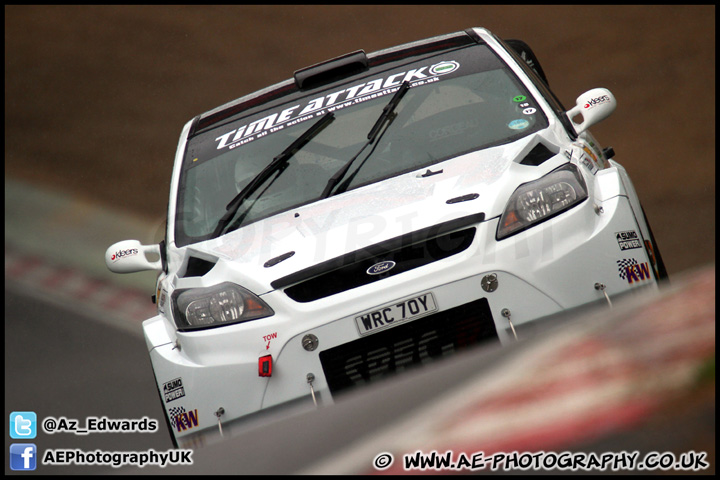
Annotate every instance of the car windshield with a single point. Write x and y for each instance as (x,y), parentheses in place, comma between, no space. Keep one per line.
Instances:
(458,102)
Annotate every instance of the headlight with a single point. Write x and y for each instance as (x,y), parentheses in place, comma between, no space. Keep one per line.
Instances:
(539,200)
(216,306)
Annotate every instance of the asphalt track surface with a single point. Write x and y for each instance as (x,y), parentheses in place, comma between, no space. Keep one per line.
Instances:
(60,363)
(92,117)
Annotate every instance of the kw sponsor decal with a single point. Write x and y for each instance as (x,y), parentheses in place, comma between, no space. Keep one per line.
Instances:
(629,269)
(173,390)
(182,420)
(354,94)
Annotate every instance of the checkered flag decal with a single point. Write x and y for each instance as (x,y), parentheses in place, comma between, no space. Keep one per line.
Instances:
(174,412)
(623,266)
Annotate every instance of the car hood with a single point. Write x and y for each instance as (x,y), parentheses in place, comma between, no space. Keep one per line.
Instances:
(478,182)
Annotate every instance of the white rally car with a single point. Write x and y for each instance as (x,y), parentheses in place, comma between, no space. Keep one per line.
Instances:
(374,213)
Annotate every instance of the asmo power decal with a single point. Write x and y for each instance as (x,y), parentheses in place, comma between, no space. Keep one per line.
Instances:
(341,98)
(173,390)
(628,240)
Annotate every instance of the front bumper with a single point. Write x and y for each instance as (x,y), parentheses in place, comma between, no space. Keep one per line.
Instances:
(500,286)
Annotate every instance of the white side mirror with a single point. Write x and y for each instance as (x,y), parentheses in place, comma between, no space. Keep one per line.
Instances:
(129,256)
(594,105)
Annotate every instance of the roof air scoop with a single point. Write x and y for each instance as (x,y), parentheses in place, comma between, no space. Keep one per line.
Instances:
(331,70)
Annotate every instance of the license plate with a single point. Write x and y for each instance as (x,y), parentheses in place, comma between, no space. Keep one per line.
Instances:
(396,313)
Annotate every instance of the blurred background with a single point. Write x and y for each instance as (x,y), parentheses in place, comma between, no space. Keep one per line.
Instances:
(96,96)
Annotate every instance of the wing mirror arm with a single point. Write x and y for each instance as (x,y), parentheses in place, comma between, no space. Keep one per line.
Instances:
(594,105)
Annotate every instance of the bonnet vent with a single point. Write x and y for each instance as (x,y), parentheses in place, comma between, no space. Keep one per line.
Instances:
(197,267)
(537,155)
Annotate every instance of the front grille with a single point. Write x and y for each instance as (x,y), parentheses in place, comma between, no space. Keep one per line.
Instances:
(423,340)
(407,252)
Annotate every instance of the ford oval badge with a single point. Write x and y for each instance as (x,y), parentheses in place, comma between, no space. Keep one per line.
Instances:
(381,267)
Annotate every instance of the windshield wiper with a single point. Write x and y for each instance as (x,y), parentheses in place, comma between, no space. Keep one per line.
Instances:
(278,164)
(387,116)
